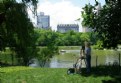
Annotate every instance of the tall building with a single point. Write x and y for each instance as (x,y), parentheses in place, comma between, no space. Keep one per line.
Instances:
(43,21)
(67,27)
(98,8)
(86,29)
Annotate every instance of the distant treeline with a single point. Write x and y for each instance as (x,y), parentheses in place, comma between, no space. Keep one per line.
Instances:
(70,38)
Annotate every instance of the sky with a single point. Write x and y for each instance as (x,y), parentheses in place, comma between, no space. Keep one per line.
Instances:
(62,11)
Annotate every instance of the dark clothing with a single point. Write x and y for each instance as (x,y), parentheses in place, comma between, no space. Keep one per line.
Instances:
(88,65)
(88,59)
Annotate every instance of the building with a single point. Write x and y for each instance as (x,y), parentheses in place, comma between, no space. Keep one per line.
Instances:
(98,8)
(67,27)
(43,21)
(86,29)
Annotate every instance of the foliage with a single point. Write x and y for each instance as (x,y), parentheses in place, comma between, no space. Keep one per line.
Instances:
(98,45)
(69,38)
(16,30)
(45,54)
(46,38)
(85,37)
(106,22)
(7,4)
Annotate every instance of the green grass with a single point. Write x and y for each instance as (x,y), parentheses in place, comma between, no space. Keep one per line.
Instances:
(49,75)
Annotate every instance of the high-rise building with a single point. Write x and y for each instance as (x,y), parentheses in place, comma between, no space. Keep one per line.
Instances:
(86,29)
(43,21)
(67,27)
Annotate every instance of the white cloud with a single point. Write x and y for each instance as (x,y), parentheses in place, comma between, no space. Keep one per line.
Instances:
(60,12)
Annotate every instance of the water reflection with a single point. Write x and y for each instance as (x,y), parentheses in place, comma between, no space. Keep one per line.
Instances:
(68,58)
(65,60)
(111,60)
(57,63)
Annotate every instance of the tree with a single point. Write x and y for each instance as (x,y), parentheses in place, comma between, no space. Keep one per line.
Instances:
(85,37)
(48,39)
(106,22)
(16,29)
(5,6)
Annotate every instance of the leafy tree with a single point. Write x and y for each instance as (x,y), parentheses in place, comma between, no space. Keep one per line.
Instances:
(106,22)
(85,37)
(78,40)
(5,8)
(46,38)
(98,45)
(60,39)
(16,30)
(69,38)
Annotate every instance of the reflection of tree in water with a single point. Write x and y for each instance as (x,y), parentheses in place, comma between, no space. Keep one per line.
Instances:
(111,60)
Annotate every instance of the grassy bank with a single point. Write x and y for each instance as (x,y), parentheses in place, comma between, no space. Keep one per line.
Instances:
(52,75)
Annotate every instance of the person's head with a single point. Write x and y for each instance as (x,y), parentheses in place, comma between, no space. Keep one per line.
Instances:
(87,44)
(83,47)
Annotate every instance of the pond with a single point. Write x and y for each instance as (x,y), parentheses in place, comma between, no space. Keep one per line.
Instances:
(67,58)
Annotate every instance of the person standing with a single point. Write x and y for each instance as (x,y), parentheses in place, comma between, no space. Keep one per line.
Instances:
(78,64)
(88,56)
(82,51)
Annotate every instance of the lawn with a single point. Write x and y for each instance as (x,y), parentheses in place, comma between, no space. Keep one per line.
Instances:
(53,75)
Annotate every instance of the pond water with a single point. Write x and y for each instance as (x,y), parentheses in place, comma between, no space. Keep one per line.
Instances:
(67,58)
